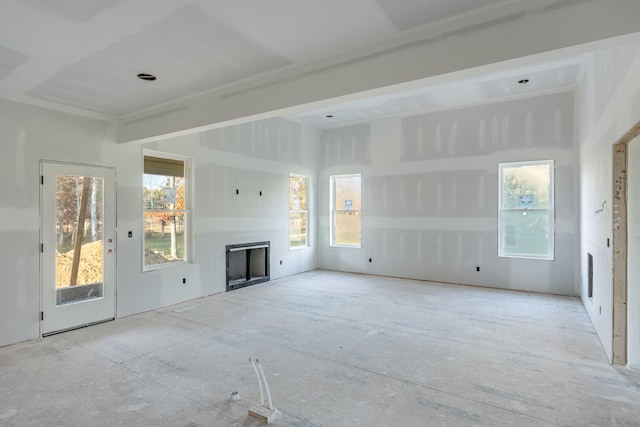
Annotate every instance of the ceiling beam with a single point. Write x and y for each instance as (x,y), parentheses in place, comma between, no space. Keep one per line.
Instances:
(437,53)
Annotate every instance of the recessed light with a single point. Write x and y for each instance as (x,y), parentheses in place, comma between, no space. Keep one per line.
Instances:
(523,81)
(147,77)
(329,116)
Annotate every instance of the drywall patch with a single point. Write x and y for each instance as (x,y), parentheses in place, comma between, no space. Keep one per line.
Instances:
(222,200)
(272,139)
(431,254)
(349,145)
(463,193)
(565,184)
(608,68)
(544,121)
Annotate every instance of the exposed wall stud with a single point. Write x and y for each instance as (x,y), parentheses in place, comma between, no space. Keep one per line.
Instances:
(620,254)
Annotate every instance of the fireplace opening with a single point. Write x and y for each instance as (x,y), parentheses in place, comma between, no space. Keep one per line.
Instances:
(247,264)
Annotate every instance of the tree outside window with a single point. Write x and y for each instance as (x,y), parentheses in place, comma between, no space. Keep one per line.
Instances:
(298,211)
(165,210)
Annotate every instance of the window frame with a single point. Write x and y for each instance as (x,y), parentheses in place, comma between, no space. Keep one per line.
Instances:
(305,211)
(333,210)
(550,255)
(186,211)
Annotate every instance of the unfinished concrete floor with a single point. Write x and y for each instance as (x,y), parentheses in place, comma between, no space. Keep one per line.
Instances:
(338,350)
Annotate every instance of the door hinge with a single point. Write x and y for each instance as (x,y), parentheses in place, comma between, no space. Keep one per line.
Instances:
(41,179)
(42,315)
(42,247)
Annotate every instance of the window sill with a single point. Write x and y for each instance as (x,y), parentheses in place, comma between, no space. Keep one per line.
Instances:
(532,257)
(157,267)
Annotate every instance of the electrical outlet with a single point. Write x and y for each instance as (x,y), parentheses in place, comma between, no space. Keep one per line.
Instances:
(478,268)
(184,280)
(280,262)
(370,260)
(130,234)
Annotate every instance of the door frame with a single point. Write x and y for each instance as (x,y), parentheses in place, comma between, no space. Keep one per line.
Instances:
(620,246)
(42,234)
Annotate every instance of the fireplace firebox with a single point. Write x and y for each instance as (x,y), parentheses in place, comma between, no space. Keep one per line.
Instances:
(247,264)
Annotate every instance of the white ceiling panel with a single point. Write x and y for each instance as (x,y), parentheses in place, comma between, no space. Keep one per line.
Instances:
(72,10)
(188,52)
(549,79)
(86,53)
(409,14)
(482,87)
(9,60)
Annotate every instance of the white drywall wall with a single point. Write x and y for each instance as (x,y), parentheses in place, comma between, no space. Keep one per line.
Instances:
(609,106)
(430,192)
(252,157)
(30,134)
(633,271)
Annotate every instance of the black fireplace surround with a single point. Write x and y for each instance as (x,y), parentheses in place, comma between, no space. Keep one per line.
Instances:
(247,264)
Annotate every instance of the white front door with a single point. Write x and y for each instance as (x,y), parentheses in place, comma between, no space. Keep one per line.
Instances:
(78,245)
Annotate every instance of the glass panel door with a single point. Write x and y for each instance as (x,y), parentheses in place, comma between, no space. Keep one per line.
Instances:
(78,248)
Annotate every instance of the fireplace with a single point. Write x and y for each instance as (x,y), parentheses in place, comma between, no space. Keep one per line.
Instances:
(247,264)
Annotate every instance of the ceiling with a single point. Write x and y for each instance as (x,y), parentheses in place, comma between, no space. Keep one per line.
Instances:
(86,54)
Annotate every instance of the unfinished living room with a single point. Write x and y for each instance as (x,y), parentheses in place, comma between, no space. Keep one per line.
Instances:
(368,213)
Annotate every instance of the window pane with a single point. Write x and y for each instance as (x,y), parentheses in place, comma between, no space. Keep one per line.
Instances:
(526,209)
(297,193)
(298,229)
(347,193)
(163,192)
(79,238)
(347,228)
(525,233)
(165,213)
(163,237)
(346,205)
(298,219)
(526,187)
